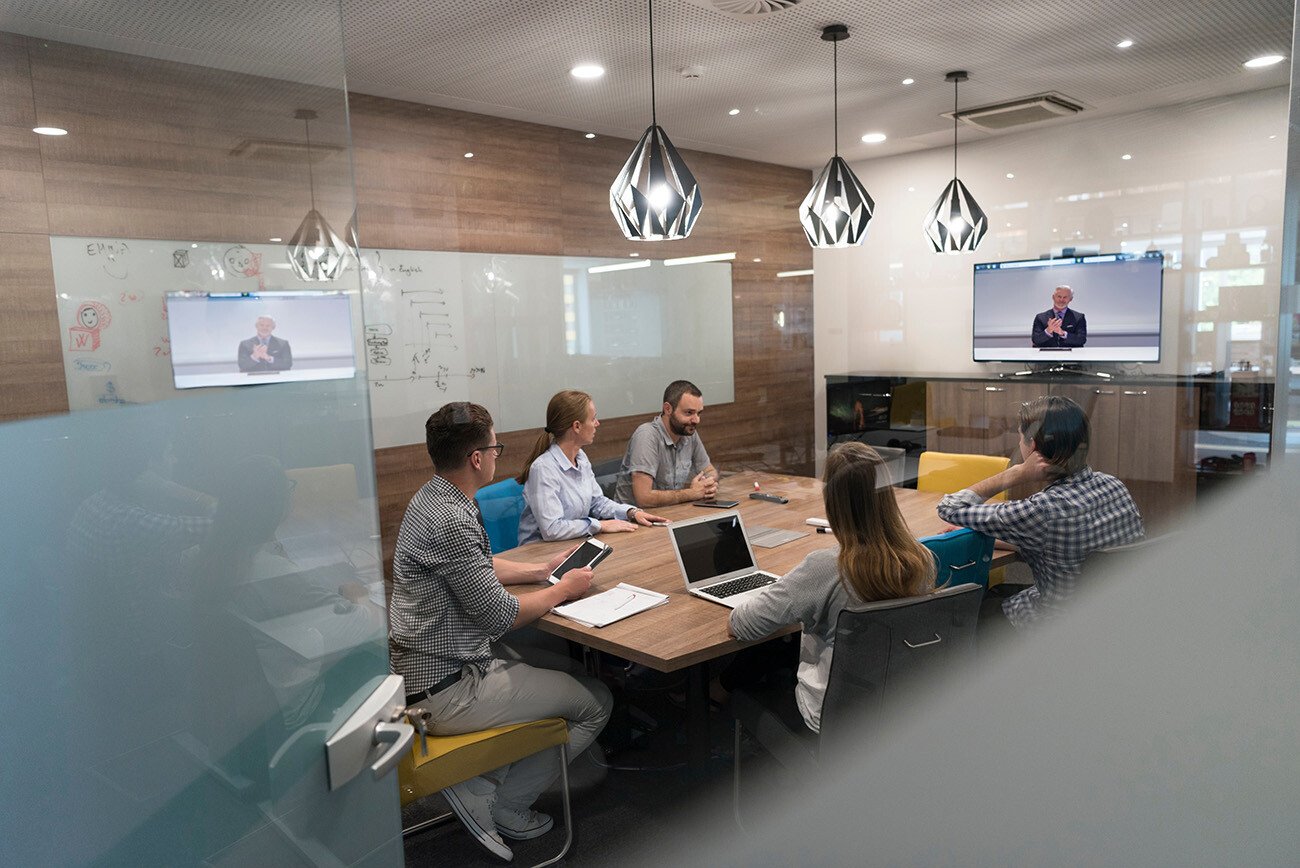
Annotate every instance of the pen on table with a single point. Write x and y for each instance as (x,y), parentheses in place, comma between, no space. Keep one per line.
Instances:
(823,530)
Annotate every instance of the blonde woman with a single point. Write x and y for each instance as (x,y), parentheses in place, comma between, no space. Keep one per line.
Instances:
(877,559)
(562,499)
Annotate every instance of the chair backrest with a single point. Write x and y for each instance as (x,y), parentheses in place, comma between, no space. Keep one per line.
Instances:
(1114,561)
(607,473)
(946,472)
(885,650)
(962,555)
(502,503)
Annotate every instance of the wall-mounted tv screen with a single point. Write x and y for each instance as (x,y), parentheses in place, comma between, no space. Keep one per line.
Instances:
(1110,312)
(242,339)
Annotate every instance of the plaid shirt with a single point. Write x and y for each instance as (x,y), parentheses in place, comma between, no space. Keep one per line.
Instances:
(448,604)
(1055,531)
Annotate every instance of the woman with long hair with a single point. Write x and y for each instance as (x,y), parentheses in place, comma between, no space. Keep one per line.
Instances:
(562,499)
(878,559)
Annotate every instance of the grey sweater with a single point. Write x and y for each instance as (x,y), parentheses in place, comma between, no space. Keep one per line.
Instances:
(813,595)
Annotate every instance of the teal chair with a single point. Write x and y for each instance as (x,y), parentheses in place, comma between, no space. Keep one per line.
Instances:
(501,504)
(963,556)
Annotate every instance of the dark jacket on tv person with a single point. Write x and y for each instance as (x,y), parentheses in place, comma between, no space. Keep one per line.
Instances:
(1073,323)
(276,348)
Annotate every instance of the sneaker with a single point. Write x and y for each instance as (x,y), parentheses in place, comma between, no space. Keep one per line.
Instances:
(520,825)
(472,801)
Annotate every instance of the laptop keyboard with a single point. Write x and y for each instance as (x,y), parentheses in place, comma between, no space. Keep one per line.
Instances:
(739,585)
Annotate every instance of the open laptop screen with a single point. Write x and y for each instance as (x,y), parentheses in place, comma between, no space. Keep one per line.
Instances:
(712,548)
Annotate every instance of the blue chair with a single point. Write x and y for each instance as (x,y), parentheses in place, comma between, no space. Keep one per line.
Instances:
(963,556)
(502,503)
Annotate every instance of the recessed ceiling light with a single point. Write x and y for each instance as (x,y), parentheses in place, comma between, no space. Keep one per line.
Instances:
(469,155)
(734,112)
(634,254)
(1010,175)
(873,138)
(911,189)
(1127,43)
(1126,156)
(275,239)
(1274,136)
(1266,60)
(587,70)
(756,259)
(589,136)
(909,81)
(49,131)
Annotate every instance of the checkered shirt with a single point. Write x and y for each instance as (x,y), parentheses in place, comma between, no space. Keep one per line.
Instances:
(447,605)
(1055,531)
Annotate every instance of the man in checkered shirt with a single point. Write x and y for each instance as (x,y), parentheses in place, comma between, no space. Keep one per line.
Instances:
(1079,512)
(448,610)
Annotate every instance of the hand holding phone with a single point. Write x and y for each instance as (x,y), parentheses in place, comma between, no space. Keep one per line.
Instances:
(590,553)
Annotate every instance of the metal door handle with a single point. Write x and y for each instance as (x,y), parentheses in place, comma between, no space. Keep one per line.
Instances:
(398,737)
(935,641)
(1128,392)
(1103,391)
(349,748)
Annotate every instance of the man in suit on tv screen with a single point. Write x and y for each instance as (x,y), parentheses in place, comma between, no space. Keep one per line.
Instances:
(1060,327)
(264,352)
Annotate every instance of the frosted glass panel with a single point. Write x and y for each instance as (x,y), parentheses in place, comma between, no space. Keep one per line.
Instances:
(192,604)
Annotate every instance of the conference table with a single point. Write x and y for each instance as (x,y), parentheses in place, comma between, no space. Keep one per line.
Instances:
(687,632)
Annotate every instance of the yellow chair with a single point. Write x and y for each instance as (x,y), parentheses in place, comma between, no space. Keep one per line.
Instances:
(455,758)
(947,472)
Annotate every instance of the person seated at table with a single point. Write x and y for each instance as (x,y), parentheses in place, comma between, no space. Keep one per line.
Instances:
(1079,512)
(562,499)
(449,609)
(878,558)
(665,462)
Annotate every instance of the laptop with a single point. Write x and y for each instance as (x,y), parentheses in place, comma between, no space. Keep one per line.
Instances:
(716,560)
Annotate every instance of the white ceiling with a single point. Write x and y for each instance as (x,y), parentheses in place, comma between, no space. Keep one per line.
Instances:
(510,58)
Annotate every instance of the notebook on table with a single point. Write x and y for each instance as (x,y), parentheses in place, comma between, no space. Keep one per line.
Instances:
(716,559)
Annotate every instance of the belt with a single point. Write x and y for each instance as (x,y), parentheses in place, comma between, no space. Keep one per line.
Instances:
(420,696)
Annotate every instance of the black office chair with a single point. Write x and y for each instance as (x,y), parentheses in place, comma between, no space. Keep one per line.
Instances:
(883,652)
(1114,562)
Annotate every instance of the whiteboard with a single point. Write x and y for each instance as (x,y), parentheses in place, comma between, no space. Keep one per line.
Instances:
(505,331)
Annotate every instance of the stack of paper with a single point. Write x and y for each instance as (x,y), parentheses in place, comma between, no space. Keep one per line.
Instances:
(609,606)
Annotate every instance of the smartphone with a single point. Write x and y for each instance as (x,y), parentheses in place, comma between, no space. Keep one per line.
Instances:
(590,553)
(718,504)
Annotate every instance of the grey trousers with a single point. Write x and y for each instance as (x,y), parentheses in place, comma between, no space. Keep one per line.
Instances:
(509,690)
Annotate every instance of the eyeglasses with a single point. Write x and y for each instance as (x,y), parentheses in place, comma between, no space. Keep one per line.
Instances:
(498,448)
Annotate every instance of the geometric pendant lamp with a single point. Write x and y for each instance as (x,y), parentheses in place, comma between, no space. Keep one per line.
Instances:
(655,197)
(837,209)
(955,223)
(315,252)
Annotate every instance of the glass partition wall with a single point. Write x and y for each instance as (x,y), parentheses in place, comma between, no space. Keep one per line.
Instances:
(192,578)
(1202,182)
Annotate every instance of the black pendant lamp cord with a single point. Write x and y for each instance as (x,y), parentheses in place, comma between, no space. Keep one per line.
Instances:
(955,84)
(654,120)
(311,177)
(835,53)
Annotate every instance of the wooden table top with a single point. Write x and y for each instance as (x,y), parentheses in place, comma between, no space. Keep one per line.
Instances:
(688,630)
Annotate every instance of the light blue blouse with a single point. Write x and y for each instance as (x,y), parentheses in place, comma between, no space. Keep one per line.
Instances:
(563,500)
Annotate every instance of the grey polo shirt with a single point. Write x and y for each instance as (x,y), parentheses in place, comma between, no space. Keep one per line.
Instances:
(652,451)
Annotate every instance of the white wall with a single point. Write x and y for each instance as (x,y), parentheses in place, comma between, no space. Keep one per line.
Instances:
(1197,172)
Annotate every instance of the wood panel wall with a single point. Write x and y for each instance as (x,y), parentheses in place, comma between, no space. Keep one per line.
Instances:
(167,150)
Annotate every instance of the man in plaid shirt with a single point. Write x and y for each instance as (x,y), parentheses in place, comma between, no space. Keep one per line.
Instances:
(1079,512)
(448,610)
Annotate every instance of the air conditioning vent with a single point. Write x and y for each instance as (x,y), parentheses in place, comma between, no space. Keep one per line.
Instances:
(1018,112)
(747,9)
